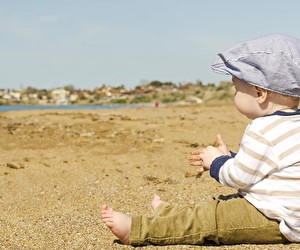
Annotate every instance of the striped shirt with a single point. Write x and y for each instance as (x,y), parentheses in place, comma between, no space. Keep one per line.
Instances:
(266,169)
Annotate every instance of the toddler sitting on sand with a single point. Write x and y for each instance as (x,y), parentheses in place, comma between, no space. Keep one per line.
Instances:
(265,170)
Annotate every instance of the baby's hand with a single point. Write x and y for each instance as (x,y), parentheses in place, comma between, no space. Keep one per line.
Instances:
(195,160)
(221,145)
(204,157)
(208,155)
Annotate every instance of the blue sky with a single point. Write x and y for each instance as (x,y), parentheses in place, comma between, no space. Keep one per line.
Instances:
(87,43)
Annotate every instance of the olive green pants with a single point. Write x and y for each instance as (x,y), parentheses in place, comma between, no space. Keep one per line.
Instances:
(227,220)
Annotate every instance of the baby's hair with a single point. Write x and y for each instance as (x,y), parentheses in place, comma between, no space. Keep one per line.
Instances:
(290,101)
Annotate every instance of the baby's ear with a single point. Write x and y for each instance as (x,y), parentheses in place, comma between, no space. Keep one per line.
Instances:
(261,94)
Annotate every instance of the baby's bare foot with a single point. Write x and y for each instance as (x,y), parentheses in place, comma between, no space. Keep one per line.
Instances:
(155,202)
(118,223)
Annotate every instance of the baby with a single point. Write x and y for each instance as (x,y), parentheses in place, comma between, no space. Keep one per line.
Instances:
(265,170)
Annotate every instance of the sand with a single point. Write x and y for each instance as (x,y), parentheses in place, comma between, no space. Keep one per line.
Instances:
(58,167)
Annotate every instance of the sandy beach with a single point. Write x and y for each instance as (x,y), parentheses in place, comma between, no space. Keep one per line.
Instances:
(58,167)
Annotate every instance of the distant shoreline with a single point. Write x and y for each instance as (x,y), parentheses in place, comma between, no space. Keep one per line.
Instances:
(7,108)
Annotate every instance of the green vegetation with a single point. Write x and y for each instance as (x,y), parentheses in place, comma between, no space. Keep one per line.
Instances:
(173,97)
(119,101)
(141,99)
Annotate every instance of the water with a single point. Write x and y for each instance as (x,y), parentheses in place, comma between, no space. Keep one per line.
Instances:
(4,108)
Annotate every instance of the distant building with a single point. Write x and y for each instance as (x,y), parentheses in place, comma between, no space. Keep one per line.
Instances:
(16,96)
(73,98)
(11,95)
(60,96)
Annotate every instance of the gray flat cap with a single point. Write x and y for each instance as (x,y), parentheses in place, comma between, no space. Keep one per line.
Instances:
(271,62)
